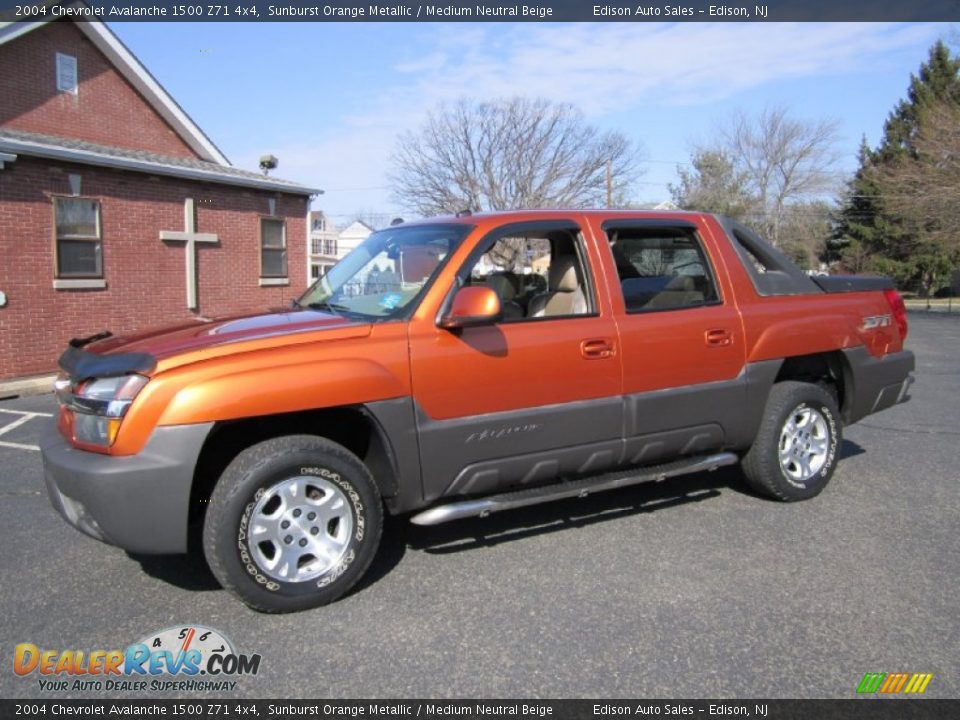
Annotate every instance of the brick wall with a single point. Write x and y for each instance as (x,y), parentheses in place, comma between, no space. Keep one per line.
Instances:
(145,276)
(105,110)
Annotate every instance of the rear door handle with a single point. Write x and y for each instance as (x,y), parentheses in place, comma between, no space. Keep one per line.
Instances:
(718,337)
(598,348)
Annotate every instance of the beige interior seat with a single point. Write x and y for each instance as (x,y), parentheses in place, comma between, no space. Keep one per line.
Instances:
(564,296)
(679,292)
(505,285)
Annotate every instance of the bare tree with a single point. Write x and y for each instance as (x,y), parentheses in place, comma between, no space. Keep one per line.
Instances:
(923,187)
(372,218)
(920,189)
(508,153)
(804,231)
(784,161)
(856,258)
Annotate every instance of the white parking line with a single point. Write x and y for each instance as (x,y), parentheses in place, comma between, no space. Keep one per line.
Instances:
(24,418)
(26,412)
(19,446)
(15,424)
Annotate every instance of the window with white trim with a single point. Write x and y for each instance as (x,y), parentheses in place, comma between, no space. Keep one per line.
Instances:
(273,248)
(79,246)
(67,80)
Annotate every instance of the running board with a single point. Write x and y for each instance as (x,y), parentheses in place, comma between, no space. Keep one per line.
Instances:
(481,507)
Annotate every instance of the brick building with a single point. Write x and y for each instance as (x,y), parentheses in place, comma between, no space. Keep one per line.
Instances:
(116,211)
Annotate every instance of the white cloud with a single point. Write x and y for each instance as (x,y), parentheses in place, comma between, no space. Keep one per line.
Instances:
(614,65)
(433,61)
(601,68)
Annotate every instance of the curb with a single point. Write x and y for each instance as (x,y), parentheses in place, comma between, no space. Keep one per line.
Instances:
(25,387)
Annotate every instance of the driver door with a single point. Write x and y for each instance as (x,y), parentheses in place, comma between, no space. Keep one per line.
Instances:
(533,397)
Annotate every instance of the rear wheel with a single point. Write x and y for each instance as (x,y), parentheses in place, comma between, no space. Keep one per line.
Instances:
(795,452)
(293,523)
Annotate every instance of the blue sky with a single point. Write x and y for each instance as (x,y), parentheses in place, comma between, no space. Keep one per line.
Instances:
(329,99)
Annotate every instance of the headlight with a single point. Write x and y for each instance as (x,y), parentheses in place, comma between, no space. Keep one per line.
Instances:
(99,405)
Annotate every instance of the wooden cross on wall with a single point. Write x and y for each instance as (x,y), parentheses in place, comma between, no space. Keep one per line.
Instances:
(191,237)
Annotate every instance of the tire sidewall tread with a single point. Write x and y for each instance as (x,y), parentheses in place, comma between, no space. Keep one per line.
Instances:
(761,464)
(235,494)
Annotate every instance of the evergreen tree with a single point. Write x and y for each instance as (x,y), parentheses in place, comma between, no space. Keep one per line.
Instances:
(938,80)
(866,225)
(712,185)
(853,227)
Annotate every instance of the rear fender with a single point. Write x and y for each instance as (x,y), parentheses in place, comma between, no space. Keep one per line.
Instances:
(820,334)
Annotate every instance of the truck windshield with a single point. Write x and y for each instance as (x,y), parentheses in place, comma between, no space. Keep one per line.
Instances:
(386,273)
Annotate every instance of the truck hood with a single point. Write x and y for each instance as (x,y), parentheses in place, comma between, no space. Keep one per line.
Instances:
(187,339)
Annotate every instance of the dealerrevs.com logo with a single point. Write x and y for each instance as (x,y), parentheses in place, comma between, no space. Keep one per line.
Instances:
(187,658)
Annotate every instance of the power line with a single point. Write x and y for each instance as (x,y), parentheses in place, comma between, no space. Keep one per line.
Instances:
(357,189)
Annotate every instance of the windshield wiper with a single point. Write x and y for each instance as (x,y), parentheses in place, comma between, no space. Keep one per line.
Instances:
(335,308)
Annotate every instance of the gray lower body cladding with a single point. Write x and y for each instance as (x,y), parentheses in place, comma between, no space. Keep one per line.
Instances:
(486,453)
(491,453)
(875,384)
(139,502)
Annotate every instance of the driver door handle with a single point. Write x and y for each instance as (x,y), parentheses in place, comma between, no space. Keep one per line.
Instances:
(598,348)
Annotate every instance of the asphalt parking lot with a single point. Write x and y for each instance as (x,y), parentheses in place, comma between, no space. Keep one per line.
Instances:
(692,587)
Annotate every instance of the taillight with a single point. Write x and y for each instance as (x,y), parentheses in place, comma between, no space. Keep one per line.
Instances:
(899,311)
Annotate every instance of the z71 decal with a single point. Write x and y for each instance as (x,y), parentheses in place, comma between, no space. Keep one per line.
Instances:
(876,321)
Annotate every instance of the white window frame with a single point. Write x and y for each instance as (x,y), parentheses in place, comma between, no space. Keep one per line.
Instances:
(67,64)
(96,240)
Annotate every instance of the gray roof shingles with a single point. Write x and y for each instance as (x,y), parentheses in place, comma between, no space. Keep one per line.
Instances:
(162,164)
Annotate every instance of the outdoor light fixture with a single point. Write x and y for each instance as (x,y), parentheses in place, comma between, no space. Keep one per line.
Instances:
(268,163)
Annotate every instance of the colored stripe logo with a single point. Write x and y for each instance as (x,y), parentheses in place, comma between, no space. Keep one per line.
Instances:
(894,683)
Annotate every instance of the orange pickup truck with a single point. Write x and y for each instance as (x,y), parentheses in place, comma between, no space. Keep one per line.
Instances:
(461,366)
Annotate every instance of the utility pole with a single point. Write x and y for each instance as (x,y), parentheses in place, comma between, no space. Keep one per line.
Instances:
(609,183)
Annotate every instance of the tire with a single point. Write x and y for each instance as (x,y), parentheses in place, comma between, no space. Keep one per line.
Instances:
(316,511)
(801,420)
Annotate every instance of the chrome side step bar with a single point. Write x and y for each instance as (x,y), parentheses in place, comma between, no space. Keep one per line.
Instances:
(481,507)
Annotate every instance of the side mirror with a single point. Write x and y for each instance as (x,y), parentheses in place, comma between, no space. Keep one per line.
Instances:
(476,305)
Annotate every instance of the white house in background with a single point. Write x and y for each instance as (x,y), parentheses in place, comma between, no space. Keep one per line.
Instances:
(352,235)
(328,244)
(323,245)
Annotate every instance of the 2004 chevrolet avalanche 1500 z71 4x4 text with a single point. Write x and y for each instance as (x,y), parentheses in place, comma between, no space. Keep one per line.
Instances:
(462,366)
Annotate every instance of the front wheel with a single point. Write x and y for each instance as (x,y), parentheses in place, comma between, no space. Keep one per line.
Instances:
(293,523)
(795,451)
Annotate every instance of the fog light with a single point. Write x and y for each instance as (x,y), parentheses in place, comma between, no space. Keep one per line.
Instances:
(95,429)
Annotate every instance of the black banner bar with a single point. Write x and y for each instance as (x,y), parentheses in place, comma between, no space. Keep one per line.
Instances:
(485,11)
(854,709)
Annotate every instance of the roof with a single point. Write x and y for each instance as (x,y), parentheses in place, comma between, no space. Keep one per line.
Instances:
(352,227)
(135,73)
(19,142)
(540,214)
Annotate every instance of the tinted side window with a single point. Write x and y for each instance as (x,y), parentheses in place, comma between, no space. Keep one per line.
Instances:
(536,275)
(662,269)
